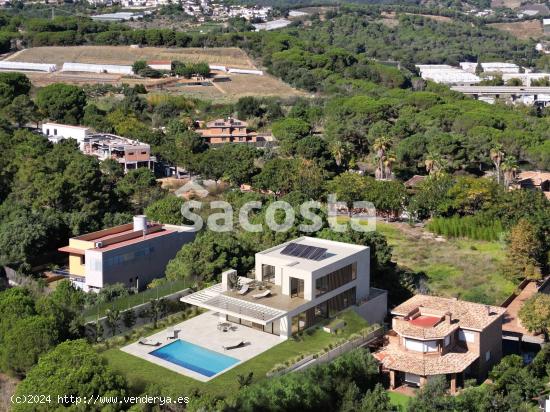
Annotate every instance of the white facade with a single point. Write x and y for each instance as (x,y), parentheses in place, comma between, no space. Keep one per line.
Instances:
(56,132)
(491,67)
(526,78)
(302,288)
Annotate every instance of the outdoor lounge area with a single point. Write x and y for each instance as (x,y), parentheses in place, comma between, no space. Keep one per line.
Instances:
(202,339)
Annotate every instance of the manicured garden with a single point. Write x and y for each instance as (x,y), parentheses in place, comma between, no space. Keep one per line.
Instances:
(141,373)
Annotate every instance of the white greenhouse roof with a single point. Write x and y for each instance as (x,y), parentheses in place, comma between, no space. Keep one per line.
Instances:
(25,66)
(96,68)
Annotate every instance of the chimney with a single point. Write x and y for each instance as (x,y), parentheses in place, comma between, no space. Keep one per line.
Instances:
(448,317)
(488,310)
(140,223)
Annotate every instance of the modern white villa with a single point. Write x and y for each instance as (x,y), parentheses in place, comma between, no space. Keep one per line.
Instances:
(296,285)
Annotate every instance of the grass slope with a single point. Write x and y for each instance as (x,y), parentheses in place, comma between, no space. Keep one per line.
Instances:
(464,268)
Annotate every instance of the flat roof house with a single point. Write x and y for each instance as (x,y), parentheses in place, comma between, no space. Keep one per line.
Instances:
(435,336)
(56,132)
(133,254)
(295,285)
(228,130)
(131,154)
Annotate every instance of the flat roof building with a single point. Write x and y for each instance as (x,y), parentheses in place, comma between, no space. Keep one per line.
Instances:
(132,254)
(228,130)
(131,154)
(56,132)
(296,285)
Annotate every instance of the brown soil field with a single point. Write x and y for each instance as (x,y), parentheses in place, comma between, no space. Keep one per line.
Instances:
(522,29)
(251,85)
(230,56)
(511,4)
(390,19)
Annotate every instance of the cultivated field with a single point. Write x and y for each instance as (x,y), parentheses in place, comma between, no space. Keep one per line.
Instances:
(230,56)
(239,85)
(250,85)
(522,29)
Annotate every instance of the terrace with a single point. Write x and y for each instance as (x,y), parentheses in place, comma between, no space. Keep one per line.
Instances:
(203,331)
(139,371)
(246,306)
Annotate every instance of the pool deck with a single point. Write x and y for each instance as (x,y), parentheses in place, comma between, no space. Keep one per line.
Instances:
(202,330)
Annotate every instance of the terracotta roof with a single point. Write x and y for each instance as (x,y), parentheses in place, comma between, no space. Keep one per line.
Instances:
(537,177)
(73,250)
(415,180)
(146,237)
(439,331)
(467,315)
(454,361)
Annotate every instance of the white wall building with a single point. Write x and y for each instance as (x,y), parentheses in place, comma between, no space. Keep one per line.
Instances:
(296,285)
(56,132)
(491,67)
(443,73)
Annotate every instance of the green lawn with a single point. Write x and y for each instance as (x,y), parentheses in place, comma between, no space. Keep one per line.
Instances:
(399,399)
(140,373)
(468,269)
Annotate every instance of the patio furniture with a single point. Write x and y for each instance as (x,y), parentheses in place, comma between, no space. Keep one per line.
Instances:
(244,289)
(173,334)
(264,294)
(223,326)
(234,345)
(147,342)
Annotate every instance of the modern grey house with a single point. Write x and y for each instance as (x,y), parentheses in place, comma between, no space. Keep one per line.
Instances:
(133,254)
(296,285)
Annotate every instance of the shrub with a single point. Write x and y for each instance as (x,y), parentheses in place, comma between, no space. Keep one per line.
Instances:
(472,227)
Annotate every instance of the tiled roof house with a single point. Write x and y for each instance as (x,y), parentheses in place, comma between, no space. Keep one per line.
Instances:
(435,336)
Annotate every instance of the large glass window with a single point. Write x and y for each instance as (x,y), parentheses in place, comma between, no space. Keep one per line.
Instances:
(296,288)
(335,279)
(421,346)
(303,320)
(268,273)
(340,302)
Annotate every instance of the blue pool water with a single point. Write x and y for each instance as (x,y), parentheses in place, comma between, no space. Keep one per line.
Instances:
(194,357)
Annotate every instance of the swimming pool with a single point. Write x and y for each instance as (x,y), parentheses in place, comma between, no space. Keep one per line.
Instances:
(194,357)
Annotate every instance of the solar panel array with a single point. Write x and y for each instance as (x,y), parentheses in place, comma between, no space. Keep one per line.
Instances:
(304,251)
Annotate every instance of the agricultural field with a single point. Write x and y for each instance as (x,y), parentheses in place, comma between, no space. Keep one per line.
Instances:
(230,56)
(522,29)
(239,85)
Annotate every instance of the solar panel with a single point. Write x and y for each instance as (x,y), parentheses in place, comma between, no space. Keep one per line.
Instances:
(304,251)
(288,249)
(319,254)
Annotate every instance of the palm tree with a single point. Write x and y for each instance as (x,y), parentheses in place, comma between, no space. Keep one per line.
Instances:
(380,146)
(509,168)
(497,155)
(340,150)
(435,163)
(112,320)
(388,164)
